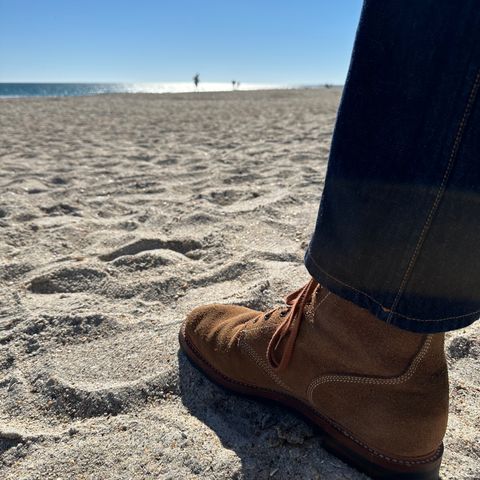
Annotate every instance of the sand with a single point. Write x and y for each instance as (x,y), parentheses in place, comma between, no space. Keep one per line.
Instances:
(120,213)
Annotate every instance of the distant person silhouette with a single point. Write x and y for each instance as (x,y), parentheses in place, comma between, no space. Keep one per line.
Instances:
(196,80)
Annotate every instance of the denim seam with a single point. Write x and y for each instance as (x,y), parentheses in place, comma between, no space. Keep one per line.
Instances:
(440,193)
(379,304)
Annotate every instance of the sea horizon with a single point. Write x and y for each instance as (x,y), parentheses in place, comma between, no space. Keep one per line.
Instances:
(74,89)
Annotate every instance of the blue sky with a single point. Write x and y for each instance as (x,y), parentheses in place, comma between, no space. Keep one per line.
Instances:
(268,41)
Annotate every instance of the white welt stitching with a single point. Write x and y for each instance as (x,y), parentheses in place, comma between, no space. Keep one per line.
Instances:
(372,380)
(261,363)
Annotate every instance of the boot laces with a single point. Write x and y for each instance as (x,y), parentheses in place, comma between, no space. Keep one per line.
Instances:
(290,326)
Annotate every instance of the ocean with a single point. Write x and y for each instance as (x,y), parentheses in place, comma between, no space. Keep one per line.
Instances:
(9,90)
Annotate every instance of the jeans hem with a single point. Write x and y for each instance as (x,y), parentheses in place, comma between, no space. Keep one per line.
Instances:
(364,301)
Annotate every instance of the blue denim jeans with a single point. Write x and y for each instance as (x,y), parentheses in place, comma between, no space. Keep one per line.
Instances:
(398,229)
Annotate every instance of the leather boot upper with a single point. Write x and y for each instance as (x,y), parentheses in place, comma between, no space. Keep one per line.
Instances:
(375,381)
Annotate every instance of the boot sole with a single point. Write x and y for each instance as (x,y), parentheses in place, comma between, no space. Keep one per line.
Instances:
(334,438)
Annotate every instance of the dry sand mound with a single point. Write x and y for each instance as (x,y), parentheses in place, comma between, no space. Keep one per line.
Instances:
(118,214)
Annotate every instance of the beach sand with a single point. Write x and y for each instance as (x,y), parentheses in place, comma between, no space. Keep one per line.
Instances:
(118,214)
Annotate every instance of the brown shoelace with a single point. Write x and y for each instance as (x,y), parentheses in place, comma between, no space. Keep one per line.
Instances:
(290,326)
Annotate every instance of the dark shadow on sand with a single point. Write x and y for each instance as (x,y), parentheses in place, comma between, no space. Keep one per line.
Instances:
(271,441)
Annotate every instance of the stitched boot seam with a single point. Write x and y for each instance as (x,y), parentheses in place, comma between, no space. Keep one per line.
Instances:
(404,377)
(260,362)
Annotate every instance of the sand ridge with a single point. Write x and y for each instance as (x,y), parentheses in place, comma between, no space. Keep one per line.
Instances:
(118,214)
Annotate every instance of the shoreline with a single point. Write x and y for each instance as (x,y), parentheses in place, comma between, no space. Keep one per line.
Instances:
(240,90)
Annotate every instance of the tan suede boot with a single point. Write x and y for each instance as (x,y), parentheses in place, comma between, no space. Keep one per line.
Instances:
(379,394)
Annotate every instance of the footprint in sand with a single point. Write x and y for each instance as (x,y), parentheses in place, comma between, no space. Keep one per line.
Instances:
(108,376)
(61,209)
(149,260)
(67,280)
(182,246)
(13,271)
